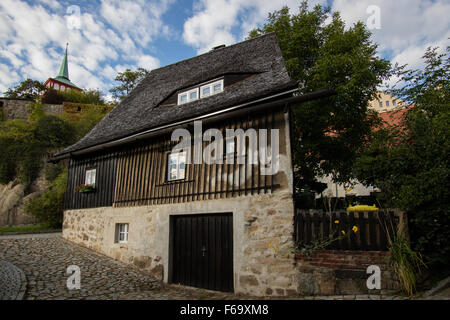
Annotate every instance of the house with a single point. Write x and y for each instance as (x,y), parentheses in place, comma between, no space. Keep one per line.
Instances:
(62,82)
(195,215)
(385,102)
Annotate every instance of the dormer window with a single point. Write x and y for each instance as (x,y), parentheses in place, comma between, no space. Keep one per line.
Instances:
(211,88)
(201,92)
(188,96)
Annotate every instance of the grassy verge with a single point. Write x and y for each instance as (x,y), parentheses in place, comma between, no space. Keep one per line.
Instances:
(26,229)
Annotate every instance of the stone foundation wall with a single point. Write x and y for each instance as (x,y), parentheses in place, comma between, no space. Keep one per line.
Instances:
(262,236)
(331,272)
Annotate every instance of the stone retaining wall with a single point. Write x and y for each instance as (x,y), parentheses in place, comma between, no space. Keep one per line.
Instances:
(330,272)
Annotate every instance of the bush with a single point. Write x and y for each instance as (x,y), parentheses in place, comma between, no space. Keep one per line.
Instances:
(52,96)
(86,97)
(54,132)
(52,171)
(49,207)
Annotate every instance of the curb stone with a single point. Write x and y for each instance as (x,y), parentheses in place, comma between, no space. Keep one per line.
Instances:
(13,282)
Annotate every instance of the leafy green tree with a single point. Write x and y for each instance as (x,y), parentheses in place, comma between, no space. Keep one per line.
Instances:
(322,55)
(27,89)
(409,162)
(128,81)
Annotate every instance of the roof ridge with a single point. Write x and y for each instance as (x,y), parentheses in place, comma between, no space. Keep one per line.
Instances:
(224,48)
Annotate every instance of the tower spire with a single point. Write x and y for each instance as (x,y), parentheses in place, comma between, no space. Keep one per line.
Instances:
(64,69)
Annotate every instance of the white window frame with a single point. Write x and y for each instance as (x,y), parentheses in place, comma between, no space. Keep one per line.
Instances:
(188,94)
(56,86)
(122,230)
(90,176)
(179,155)
(211,86)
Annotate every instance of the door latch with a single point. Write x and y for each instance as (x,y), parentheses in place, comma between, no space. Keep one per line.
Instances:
(203,250)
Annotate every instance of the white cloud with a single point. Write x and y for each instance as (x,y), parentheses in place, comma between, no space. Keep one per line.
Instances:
(408,27)
(33,37)
(214,21)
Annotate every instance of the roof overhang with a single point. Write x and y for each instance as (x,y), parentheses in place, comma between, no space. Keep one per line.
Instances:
(275,100)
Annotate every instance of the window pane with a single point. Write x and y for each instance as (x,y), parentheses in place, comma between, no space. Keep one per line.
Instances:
(206,91)
(393,102)
(217,87)
(387,103)
(183,98)
(193,95)
(381,104)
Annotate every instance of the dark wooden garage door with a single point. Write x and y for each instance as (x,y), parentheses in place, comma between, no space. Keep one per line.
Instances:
(202,251)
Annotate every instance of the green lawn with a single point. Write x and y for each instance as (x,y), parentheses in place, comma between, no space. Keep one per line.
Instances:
(26,229)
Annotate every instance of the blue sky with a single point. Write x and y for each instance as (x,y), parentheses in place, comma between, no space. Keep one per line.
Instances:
(107,36)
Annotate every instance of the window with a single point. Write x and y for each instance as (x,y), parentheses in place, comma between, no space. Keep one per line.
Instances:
(211,88)
(56,86)
(90,177)
(176,166)
(63,88)
(381,104)
(121,232)
(387,103)
(394,102)
(188,96)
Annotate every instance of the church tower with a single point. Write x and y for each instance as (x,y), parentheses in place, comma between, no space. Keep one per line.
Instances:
(61,82)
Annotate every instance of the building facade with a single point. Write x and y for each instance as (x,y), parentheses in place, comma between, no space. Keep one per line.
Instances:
(225,224)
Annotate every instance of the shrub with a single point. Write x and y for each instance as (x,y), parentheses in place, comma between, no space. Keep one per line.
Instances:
(52,171)
(52,96)
(49,207)
(54,132)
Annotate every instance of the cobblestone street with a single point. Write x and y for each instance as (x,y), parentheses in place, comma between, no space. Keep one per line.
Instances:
(45,258)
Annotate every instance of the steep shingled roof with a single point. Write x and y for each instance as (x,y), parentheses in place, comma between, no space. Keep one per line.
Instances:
(140,110)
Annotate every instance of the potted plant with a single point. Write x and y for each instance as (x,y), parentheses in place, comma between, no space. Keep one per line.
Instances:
(84,188)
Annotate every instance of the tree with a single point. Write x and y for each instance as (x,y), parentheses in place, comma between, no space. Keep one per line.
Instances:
(27,89)
(318,55)
(409,162)
(128,81)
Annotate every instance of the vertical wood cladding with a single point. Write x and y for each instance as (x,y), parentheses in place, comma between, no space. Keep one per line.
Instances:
(105,165)
(137,174)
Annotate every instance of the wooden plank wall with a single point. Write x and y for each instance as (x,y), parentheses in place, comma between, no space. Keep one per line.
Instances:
(105,181)
(142,171)
(136,174)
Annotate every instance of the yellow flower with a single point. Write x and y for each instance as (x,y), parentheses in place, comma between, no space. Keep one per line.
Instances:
(336,221)
(276,249)
(355,229)
(270,244)
(343,232)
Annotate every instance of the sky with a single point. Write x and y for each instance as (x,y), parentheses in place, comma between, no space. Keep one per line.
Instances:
(108,36)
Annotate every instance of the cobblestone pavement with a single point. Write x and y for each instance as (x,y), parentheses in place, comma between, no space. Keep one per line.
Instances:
(44,260)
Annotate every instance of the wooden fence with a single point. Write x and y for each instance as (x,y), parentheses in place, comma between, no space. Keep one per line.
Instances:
(371,235)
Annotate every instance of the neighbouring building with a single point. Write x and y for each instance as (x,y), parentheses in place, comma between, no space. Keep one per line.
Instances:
(385,102)
(62,82)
